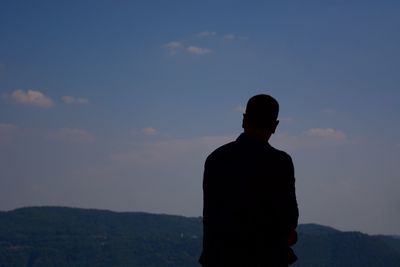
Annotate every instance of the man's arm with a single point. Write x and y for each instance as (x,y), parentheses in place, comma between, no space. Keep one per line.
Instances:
(293,211)
(208,215)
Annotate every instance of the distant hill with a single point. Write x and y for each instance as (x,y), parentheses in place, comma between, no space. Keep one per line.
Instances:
(324,246)
(77,237)
(57,236)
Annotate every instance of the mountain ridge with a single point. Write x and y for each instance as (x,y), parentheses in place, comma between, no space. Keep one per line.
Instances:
(66,236)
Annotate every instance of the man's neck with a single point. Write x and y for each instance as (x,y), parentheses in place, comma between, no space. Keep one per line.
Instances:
(257,133)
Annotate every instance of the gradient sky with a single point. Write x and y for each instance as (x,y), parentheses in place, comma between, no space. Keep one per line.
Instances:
(116,104)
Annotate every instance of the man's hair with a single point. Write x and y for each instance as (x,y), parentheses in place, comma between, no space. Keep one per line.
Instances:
(262,111)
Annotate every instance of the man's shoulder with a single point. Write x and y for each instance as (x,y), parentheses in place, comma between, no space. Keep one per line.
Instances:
(223,150)
(236,147)
(282,156)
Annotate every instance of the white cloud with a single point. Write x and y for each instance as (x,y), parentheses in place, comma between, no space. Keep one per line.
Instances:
(173,46)
(74,100)
(198,50)
(326,133)
(33,98)
(315,138)
(149,131)
(206,34)
(73,135)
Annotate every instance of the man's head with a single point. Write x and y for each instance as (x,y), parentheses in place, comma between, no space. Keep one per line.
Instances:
(261,115)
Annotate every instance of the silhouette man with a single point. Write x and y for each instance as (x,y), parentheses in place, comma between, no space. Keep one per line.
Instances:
(250,210)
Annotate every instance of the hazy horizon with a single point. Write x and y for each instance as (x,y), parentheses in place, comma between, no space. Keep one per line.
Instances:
(115,105)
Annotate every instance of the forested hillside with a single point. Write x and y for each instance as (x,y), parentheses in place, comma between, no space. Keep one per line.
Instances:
(56,236)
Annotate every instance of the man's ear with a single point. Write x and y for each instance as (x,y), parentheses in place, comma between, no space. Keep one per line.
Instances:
(273,128)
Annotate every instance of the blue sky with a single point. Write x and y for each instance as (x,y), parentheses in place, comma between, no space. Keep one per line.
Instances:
(116,104)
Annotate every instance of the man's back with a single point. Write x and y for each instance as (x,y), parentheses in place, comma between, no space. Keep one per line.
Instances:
(249,204)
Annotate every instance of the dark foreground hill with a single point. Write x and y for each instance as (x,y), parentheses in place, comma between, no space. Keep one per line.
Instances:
(49,236)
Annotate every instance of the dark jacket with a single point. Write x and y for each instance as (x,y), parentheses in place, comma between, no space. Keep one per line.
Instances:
(250,205)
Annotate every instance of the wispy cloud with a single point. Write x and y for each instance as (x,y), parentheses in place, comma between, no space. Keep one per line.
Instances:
(5,127)
(326,133)
(149,131)
(172,151)
(206,34)
(173,47)
(231,37)
(191,45)
(198,50)
(74,135)
(33,98)
(286,119)
(240,109)
(314,138)
(74,100)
